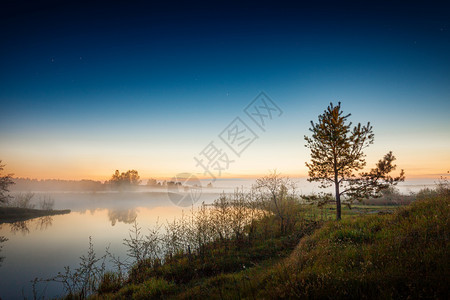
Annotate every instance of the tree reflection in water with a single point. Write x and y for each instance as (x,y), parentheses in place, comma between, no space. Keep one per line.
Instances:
(23,227)
(2,240)
(126,216)
(43,223)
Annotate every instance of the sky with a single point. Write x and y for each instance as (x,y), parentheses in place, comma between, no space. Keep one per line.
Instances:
(89,87)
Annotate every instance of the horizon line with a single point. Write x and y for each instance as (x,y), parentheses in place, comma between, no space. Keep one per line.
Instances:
(222,178)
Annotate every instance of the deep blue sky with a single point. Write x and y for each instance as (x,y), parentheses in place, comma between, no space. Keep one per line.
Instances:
(148,85)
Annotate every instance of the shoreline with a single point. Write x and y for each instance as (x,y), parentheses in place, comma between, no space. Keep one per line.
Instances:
(17,214)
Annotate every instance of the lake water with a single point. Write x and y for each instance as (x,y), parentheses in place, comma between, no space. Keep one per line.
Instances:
(42,247)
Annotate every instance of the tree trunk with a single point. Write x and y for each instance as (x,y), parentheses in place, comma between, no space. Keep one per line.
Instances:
(338,198)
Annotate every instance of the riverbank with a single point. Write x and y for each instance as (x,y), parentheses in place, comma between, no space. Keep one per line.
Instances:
(17,214)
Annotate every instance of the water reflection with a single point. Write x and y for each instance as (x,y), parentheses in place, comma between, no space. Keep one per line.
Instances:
(2,240)
(43,223)
(23,227)
(20,226)
(59,240)
(126,216)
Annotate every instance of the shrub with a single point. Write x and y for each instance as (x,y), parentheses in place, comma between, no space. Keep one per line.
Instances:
(23,200)
(110,282)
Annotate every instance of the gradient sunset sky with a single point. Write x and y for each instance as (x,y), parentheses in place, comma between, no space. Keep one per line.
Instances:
(89,87)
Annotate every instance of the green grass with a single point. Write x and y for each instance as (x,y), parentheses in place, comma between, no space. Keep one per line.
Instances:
(197,275)
(399,255)
(404,255)
(328,212)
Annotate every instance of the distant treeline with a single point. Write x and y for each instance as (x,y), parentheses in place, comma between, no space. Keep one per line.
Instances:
(27,184)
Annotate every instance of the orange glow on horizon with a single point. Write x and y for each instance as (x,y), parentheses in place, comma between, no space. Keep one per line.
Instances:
(416,163)
(145,177)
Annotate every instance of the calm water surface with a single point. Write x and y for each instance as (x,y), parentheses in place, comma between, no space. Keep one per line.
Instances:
(43,246)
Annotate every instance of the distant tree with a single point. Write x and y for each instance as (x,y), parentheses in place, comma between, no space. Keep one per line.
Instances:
(125,179)
(337,154)
(5,182)
(116,177)
(132,176)
(152,182)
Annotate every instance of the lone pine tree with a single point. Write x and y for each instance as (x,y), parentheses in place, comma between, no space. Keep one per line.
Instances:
(337,154)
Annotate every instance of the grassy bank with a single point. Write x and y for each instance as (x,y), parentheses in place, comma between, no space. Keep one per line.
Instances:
(18,214)
(404,255)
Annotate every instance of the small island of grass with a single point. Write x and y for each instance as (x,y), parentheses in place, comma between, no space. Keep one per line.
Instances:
(17,214)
